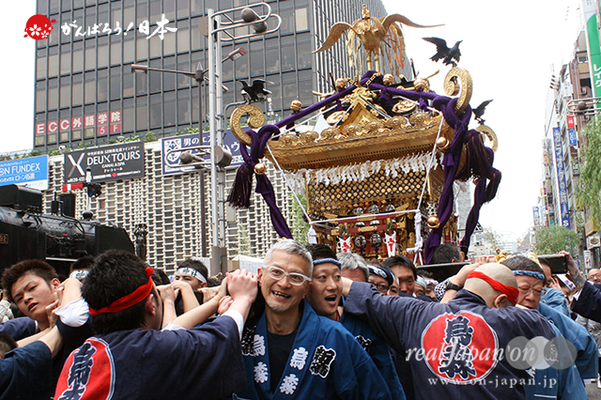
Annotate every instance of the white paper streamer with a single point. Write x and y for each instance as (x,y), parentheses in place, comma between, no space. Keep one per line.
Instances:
(360,172)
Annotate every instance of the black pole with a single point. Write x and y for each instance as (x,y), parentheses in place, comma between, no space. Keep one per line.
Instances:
(203,207)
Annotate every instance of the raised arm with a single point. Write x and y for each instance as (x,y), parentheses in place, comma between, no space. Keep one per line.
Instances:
(200,313)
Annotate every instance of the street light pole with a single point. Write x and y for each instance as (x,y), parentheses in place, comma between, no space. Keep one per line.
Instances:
(199,77)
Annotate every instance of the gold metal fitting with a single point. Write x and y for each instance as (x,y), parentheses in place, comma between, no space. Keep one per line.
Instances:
(340,83)
(296,105)
(260,169)
(433,222)
(388,79)
(442,143)
(421,85)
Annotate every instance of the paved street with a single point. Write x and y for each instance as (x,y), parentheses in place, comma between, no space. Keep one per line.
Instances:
(593,392)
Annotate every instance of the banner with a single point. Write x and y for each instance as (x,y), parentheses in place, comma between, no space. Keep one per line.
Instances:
(170,145)
(30,172)
(594,52)
(561,178)
(107,163)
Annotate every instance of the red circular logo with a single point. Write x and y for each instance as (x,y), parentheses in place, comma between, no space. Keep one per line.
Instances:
(88,373)
(460,348)
(38,27)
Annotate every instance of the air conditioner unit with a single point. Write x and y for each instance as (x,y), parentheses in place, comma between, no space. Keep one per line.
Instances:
(593,241)
(583,90)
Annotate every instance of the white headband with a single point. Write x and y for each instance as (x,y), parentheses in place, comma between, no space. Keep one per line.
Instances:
(192,272)
(566,281)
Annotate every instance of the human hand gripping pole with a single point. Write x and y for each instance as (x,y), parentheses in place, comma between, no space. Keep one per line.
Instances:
(243,287)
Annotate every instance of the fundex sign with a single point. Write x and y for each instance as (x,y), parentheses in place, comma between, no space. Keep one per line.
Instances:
(108,163)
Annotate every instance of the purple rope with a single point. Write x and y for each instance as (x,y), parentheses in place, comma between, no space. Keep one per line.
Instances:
(240,193)
(479,160)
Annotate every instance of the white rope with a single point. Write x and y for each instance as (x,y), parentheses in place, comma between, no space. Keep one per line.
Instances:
(277,164)
(432,158)
(418,216)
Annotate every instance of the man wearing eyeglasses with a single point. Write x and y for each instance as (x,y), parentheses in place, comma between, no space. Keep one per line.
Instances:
(291,352)
(380,277)
(530,278)
(443,341)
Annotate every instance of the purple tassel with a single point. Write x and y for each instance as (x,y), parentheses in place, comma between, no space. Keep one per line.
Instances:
(239,196)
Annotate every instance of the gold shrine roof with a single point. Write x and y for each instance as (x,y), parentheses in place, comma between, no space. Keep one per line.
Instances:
(362,132)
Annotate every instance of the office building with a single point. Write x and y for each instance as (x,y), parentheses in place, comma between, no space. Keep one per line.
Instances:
(86,95)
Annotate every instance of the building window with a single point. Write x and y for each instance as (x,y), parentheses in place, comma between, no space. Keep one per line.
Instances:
(129,50)
(116,53)
(287,15)
(288,55)
(183,107)
(141,115)
(272,56)
(128,115)
(115,83)
(53,62)
(66,61)
(155,47)
(77,60)
(41,65)
(169,78)
(183,40)
(183,64)
(155,111)
(65,92)
(170,111)
(141,49)
(90,55)
(303,49)
(102,93)
(103,55)
(52,94)
(301,19)
(77,90)
(40,97)
(128,81)
(90,88)
(141,84)
(289,88)
(156,78)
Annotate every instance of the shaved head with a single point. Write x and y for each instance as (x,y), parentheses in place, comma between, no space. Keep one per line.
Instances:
(499,273)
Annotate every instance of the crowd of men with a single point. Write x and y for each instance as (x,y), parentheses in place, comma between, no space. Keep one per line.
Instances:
(311,324)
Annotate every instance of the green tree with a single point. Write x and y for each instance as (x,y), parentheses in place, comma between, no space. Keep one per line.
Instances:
(242,248)
(150,137)
(588,189)
(493,238)
(300,227)
(551,239)
(244,242)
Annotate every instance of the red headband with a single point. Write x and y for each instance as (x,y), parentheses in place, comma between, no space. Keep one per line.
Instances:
(127,301)
(510,292)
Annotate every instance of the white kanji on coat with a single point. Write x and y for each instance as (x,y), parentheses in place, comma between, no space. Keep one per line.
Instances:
(259,345)
(289,384)
(261,372)
(299,357)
